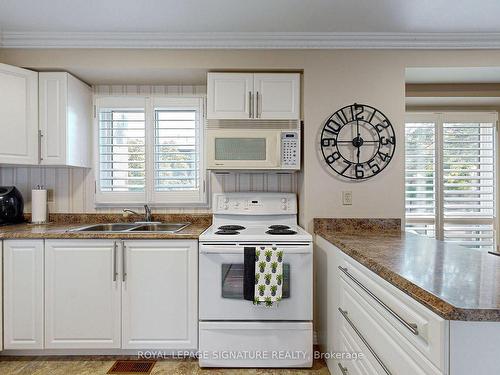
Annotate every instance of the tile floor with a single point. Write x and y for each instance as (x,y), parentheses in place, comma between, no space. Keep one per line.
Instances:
(101,365)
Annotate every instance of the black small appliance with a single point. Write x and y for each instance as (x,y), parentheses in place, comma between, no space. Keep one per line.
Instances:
(11,205)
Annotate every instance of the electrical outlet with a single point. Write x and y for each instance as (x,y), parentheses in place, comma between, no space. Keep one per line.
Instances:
(347,198)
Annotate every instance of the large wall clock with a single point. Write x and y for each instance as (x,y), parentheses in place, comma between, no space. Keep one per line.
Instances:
(358,141)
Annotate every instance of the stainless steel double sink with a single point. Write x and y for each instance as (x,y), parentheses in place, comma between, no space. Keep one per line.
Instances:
(145,227)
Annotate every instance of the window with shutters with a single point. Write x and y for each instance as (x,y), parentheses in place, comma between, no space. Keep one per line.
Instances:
(450,177)
(150,151)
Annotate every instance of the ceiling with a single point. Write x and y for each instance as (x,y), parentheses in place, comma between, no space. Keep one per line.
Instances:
(291,16)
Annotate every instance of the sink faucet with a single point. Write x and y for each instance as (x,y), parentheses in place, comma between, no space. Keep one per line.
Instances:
(147,213)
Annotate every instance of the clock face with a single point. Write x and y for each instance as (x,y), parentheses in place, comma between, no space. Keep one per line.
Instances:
(358,141)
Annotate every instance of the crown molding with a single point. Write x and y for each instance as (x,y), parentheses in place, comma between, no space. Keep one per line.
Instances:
(257,40)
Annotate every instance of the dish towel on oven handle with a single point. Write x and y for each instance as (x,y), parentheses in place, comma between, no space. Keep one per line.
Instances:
(268,276)
(249,274)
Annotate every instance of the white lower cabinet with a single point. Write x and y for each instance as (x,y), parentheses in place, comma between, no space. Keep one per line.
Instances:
(82,294)
(159,295)
(386,350)
(1,299)
(23,294)
(362,313)
(100,294)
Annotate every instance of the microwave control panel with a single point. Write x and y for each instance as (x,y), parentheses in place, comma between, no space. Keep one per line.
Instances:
(290,150)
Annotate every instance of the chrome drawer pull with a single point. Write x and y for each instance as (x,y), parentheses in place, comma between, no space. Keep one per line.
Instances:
(384,367)
(343,369)
(412,327)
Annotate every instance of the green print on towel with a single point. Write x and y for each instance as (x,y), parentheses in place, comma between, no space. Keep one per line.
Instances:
(268,276)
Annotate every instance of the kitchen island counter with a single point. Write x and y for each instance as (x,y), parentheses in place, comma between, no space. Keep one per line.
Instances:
(455,282)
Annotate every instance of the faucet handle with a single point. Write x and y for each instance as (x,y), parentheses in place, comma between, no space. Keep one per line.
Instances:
(147,209)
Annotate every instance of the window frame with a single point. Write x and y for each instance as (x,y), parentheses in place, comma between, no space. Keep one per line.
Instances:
(150,196)
(439,118)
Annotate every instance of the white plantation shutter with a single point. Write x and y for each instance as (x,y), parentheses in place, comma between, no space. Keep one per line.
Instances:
(178,145)
(469,182)
(150,150)
(462,208)
(420,176)
(121,142)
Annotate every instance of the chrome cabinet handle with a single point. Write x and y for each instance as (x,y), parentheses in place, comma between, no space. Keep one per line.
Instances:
(343,369)
(377,358)
(40,135)
(250,105)
(115,271)
(412,327)
(257,114)
(124,267)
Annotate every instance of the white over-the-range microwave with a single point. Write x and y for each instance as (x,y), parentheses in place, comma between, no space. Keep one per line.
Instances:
(266,149)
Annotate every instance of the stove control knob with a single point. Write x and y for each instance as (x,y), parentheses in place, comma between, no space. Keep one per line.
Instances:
(226,206)
(284,207)
(283,200)
(226,200)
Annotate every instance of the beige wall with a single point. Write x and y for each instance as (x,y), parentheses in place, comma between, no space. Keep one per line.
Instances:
(332,79)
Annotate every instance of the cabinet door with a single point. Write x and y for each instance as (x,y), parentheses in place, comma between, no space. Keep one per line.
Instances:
(23,294)
(82,294)
(229,95)
(1,299)
(19,115)
(52,93)
(159,295)
(65,120)
(277,95)
(79,124)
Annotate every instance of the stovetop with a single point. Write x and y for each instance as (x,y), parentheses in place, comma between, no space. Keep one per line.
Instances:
(261,233)
(255,217)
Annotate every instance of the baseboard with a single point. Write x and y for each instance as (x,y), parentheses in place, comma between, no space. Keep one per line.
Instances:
(145,353)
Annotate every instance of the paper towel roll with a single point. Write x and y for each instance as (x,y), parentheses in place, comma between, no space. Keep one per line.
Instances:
(38,206)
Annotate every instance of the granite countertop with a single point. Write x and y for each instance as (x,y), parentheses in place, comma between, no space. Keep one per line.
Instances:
(455,282)
(60,224)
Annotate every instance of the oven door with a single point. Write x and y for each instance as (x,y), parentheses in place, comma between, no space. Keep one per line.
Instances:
(221,284)
(243,149)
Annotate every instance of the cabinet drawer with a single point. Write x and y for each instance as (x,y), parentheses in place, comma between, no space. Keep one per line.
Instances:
(412,321)
(360,366)
(387,350)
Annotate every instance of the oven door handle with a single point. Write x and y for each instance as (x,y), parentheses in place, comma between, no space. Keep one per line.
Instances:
(221,252)
(240,251)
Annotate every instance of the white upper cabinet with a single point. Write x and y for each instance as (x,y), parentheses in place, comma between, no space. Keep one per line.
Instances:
(229,95)
(277,96)
(253,96)
(18,115)
(65,120)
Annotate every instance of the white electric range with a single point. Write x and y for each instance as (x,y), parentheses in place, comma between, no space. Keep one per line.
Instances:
(233,331)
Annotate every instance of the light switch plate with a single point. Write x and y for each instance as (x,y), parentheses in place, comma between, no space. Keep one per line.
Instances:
(347,198)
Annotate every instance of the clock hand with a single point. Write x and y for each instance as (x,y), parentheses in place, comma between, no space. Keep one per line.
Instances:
(359,151)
